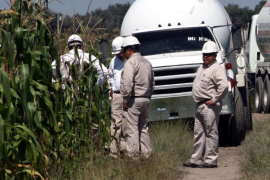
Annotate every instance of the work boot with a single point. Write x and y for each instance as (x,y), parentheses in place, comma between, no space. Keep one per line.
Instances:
(113,155)
(191,165)
(207,165)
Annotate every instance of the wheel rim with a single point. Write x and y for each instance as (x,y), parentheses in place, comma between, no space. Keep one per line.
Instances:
(264,96)
(256,98)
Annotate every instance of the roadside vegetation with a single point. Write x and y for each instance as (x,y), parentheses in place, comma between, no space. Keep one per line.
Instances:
(255,152)
(172,145)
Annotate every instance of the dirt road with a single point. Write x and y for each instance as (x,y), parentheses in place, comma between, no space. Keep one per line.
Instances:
(228,162)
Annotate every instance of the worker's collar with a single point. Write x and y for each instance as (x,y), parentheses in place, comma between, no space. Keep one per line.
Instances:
(135,54)
(207,66)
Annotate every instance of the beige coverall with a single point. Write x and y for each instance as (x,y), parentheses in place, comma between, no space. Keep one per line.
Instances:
(210,83)
(115,70)
(116,130)
(137,85)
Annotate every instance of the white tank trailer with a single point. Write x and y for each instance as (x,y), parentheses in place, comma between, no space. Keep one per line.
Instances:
(257,54)
(172,34)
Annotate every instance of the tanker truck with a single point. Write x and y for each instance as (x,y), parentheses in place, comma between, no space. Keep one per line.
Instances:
(257,54)
(172,34)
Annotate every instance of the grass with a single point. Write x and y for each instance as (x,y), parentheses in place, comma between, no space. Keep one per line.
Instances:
(255,152)
(172,145)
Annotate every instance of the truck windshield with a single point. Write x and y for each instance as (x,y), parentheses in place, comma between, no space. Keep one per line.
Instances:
(175,40)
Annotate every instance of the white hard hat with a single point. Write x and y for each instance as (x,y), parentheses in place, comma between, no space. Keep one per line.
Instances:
(130,41)
(116,45)
(74,40)
(210,47)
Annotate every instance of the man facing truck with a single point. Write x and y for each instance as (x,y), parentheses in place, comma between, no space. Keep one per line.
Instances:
(137,86)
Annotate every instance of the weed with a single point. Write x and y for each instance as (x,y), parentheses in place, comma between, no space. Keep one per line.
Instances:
(172,145)
(255,152)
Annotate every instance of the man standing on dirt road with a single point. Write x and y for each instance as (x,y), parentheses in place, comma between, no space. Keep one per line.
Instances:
(209,87)
(137,86)
(115,70)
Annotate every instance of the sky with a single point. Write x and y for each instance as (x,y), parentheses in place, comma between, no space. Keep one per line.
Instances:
(82,5)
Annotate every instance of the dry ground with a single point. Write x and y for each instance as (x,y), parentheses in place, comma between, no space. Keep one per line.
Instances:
(228,162)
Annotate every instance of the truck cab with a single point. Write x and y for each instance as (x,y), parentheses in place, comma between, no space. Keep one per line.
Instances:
(175,54)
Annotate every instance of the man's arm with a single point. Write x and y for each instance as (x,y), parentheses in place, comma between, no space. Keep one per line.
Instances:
(101,70)
(152,83)
(64,70)
(221,81)
(127,81)
(111,76)
(111,69)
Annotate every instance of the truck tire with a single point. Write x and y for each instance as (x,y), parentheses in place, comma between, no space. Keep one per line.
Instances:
(266,94)
(248,119)
(248,114)
(258,95)
(237,123)
(223,130)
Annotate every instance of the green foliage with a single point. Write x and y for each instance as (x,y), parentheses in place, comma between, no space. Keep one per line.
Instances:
(255,152)
(241,16)
(259,6)
(111,17)
(40,123)
(172,145)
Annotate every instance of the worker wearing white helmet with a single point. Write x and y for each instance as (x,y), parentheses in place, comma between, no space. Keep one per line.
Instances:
(115,70)
(71,58)
(209,87)
(137,86)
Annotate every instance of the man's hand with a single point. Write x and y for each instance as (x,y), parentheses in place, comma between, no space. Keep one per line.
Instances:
(125,106)
(111,93)
(209,102)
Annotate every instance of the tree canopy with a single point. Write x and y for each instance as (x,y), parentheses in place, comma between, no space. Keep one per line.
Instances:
(241,16)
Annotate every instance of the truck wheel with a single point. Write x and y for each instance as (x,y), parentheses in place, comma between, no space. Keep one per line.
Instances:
(237,124)
(258,94)
(248,114)
(248,119)
(266,95)
(223,130)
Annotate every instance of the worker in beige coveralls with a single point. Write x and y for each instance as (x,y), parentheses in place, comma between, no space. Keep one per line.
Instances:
(137,85)
(115,71)
(209,87)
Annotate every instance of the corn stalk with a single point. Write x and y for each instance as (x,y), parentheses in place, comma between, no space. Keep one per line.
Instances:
(40,123)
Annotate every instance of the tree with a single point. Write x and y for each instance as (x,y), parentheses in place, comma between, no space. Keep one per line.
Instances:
(111,18)
(258,7)
(239,16)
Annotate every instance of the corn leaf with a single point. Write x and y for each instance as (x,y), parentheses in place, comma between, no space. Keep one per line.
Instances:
(2,130)
(6,87)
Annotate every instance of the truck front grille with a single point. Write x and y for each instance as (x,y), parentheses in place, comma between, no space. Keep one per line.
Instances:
(174,79)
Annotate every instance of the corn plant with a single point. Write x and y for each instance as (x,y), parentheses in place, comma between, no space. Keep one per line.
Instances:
(41,123)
